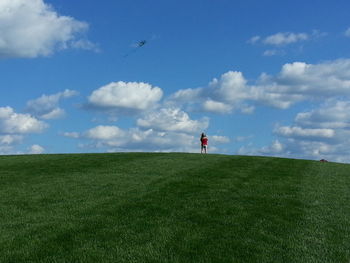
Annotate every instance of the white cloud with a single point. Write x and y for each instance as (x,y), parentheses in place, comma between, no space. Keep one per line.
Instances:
(185,95)
(36,149)
(13,128)
(151,140)
(224,95)
(16,123)
(172,119)
(113,138)
(46,107)
(126,96)
(299,81)
(299,132)
(217,107)
(31,28)
(105,133)
(5,112)
(321,133)
(296,82)
(282,39)
(304,149)
(314,149)
(56,113)
(332,114)
(10,139)
(285,38)
(231,87)
(275,149)
(322,80)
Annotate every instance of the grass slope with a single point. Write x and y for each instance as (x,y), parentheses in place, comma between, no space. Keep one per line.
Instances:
(172,207)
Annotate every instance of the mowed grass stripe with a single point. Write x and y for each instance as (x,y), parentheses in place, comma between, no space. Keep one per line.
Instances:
(143,207)
(324,233)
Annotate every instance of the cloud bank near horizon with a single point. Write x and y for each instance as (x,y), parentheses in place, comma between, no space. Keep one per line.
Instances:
(164,122)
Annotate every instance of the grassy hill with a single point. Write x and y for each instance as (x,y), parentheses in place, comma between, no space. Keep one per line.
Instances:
(172,207)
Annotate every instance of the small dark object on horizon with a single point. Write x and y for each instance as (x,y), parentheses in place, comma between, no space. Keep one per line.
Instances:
(324,161)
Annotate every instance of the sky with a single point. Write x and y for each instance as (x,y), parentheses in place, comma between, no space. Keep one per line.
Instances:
(268,77)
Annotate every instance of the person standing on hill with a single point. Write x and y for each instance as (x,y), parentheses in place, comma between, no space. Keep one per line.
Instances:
(204,143)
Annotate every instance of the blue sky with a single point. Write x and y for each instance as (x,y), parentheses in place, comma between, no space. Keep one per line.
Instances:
(259,77)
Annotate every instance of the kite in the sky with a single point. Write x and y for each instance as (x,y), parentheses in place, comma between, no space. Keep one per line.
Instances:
(141,43)
(135,47)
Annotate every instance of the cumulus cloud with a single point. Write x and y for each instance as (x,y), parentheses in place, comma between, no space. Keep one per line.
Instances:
(10,139)
(36,149)
(32,28)
(296,82)
(231,92)
(217,106)
(275,149)
(113,138)
(184,95)
(223,95)
(332,114)
(16,123)
(47,106)
(172,119)
(299,132)
(14,127)
(105,133)
(321,133)
(56,113)
(126,96)
(304,149)
(231,87)
(319,80)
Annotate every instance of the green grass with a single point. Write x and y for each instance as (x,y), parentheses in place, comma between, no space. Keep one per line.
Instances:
(172,207)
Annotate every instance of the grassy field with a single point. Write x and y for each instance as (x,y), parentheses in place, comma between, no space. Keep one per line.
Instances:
(172,207)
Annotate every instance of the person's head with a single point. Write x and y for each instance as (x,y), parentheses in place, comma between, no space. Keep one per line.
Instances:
(203,134)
